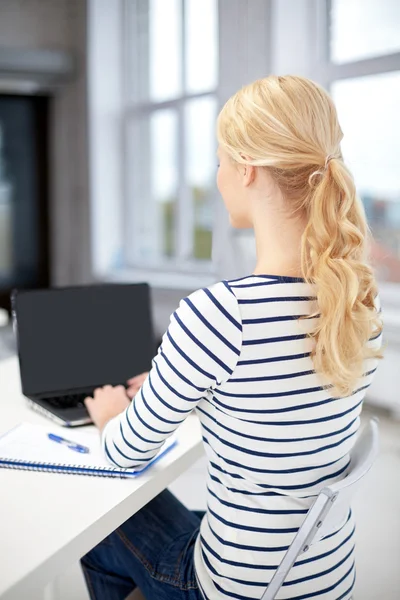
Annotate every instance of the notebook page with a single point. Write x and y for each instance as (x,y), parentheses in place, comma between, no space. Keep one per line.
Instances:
(30,443)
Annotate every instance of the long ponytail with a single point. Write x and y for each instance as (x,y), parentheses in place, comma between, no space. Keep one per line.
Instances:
(335,250)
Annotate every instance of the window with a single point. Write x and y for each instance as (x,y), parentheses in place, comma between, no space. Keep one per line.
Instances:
(362,70)
(368,109)
(169,114)
(364,29)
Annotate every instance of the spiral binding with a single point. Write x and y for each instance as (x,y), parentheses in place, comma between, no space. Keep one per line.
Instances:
(59,468)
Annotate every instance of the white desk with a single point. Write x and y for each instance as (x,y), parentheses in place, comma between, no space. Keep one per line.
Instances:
(48,521)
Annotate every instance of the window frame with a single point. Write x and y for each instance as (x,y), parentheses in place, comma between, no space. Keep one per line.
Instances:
(176,271)
(326,72)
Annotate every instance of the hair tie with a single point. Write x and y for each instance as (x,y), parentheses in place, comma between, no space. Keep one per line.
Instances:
(328,158)
(321,172)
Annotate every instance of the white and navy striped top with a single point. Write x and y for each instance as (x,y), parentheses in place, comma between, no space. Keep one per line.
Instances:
(273,436)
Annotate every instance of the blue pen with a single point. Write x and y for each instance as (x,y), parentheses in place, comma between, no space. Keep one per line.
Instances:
(68,443)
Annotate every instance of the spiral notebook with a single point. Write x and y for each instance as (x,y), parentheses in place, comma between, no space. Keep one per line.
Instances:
(28,447)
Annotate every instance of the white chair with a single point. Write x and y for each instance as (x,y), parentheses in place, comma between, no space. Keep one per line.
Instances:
(331,506)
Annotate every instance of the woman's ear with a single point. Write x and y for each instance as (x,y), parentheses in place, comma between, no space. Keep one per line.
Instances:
(248,172)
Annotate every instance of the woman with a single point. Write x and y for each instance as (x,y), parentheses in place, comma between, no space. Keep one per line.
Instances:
(276,365)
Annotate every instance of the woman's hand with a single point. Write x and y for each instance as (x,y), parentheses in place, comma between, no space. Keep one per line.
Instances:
(135,384)
(107,402)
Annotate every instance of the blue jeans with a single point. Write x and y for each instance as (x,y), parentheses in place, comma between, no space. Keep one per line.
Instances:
(153,550)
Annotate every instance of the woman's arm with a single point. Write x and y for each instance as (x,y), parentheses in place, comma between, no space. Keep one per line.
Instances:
(199,351)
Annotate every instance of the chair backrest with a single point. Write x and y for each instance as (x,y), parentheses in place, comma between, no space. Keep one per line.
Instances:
(362,457)
(331,507)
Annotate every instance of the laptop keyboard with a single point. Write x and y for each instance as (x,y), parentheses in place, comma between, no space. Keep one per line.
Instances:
(68,401)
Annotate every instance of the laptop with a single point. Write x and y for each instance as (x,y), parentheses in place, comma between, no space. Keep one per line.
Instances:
(72,340)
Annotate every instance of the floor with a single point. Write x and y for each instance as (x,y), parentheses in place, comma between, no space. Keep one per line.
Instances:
(377,509)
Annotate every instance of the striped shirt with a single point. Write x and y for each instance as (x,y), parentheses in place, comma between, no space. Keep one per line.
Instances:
(273,436)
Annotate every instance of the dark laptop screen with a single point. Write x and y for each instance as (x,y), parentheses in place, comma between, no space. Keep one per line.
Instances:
(71,338)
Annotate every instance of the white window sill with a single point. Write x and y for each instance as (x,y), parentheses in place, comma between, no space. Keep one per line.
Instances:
(160,279)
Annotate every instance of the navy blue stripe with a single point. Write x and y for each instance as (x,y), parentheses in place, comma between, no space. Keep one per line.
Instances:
(256,494)
(211,327)
(189,360)
(278,278)
(202,346)
(286,583)
(282,338)
(153,412)
(330,588)
(245,547)
(262,283)
(273,471)
(270,377)
(175,370)
(285,423)
(244,492)
(129,444)
(109,455)
(283,376)
(173,390)
(321,573)
(273,530)
(345,594)
(285,440)
(130,457)
(290,471)
(325,554)
(261,511)
(302,486)
(138,434)
(252,285)
(144,422)
(222,470)
(302,597)
(293,393)
(273,454)
(289,393)
(278,319)
(326,537)
(260,361)
(274,567)
(230,281)
(296,392)
(276,299)
(275,278)
(222,309)
(211,568)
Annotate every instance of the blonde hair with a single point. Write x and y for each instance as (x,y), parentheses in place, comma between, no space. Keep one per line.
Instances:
(289,125)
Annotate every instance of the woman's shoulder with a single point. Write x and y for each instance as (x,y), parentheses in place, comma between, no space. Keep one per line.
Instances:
(218,293)
(216,303)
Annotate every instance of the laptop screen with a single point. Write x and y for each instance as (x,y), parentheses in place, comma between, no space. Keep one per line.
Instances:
(83,337)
